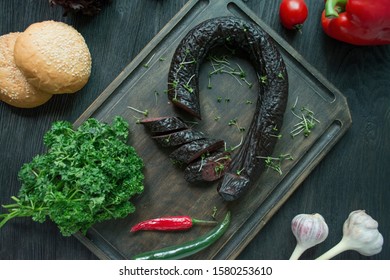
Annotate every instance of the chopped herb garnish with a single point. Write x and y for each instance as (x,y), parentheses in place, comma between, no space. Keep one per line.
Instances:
(263,80)
(276,135)
(214,212)
(234,122)
(146,65)
(174,84)
(306,124)
(187,85)
(145,112)
(222,65)
(279,136)
(219,168)
(156,94)
(276,163)
(235,147)
(238,172)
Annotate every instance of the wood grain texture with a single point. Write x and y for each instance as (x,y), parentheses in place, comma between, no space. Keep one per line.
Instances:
(136,85)
(354,175)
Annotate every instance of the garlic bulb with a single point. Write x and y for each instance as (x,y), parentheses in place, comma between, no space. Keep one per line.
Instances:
(360,233)
(309,230)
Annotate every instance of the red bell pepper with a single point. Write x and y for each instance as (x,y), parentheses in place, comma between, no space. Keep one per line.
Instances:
(358,22)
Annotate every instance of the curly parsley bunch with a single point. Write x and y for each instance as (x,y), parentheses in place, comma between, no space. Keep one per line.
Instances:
(87,176)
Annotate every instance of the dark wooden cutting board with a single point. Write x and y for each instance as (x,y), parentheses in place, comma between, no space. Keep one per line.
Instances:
(142,86)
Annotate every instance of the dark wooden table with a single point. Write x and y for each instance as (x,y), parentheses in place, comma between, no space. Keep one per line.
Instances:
(354,175)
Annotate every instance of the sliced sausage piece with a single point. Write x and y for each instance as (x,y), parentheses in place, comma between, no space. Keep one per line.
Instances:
(208,169)
(164,125)
(194,150)
(178,138)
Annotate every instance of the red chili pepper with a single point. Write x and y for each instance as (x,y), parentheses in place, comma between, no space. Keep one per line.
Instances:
(169,223)
(358,22)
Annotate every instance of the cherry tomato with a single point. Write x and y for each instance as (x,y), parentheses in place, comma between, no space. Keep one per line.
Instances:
(293,13)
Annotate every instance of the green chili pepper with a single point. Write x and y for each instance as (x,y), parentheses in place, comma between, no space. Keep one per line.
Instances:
(188,248)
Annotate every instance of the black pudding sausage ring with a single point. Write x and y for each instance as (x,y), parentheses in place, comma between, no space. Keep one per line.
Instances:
(271,103)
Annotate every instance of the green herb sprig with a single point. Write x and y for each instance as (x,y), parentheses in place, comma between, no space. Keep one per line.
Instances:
(307,121)
(275,163)
(147,64)
(234,122)
(221,65)
(143,112)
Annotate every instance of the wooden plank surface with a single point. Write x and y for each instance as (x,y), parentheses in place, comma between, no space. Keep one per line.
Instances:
(353,175)
(166,191)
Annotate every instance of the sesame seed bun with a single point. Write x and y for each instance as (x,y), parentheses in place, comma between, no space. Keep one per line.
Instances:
(54,57)
(14,88)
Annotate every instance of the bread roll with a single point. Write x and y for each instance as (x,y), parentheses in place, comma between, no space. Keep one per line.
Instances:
(54,57)
(14,88)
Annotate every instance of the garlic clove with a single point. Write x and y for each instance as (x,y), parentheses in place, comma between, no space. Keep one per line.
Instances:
(309,230)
